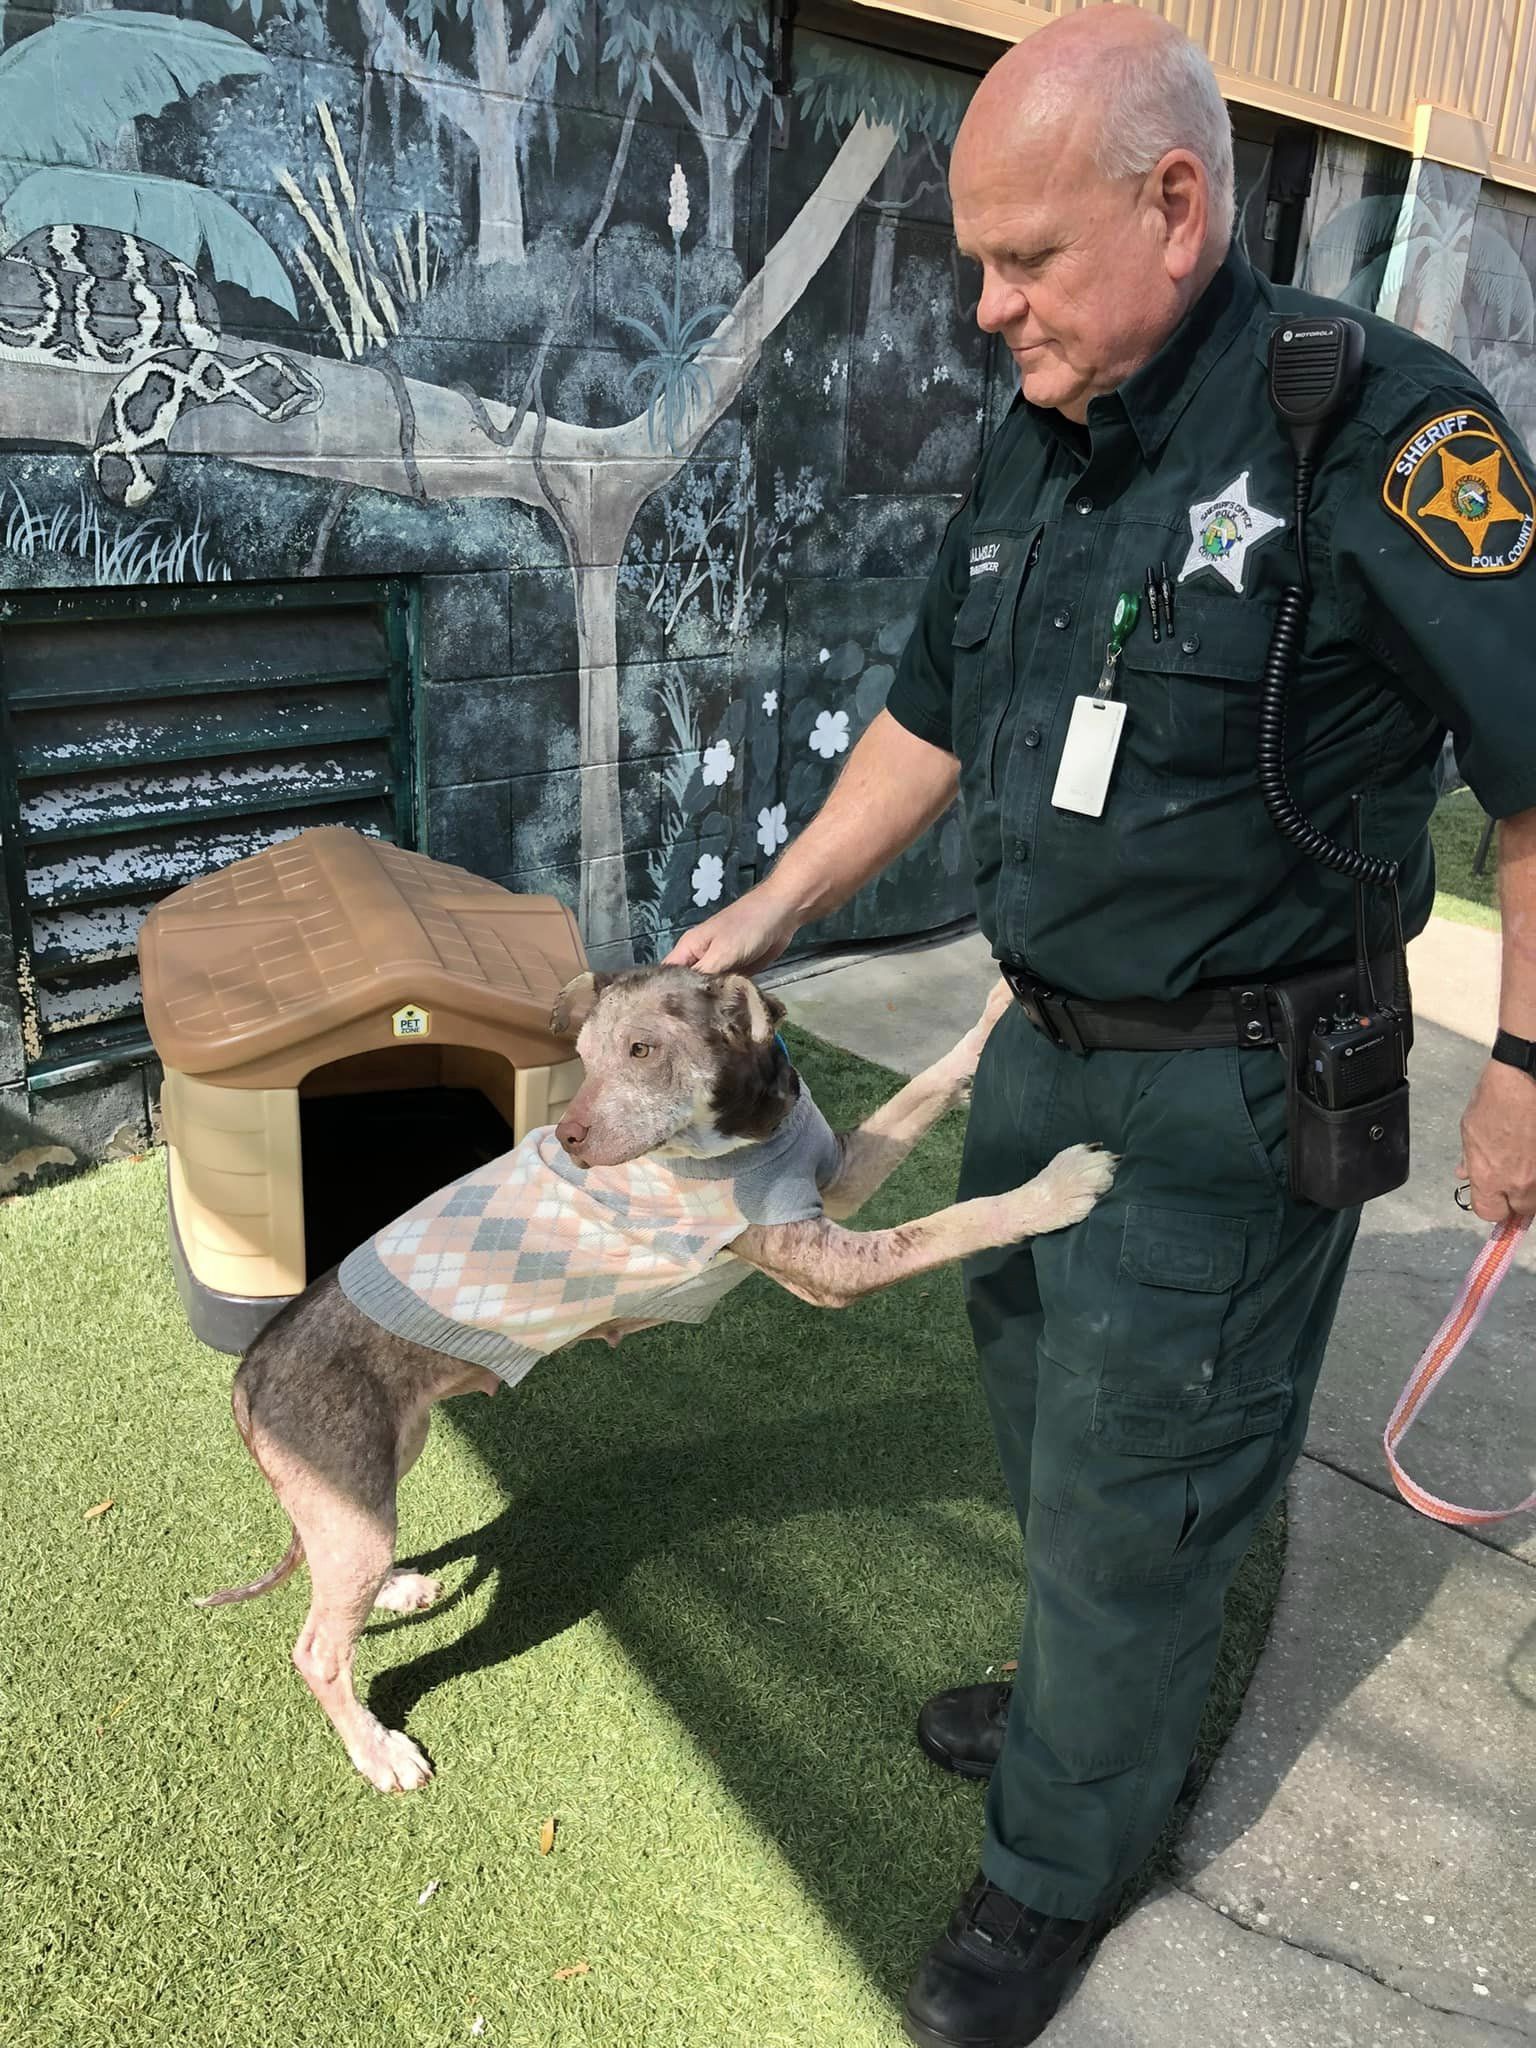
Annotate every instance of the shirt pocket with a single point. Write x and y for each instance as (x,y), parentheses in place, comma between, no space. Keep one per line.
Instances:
(1192,698)
(982,642)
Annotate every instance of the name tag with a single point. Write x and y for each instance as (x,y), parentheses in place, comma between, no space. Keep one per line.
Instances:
(1088,758)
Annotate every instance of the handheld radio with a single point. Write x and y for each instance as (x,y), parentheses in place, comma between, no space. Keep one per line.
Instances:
(1347,1045)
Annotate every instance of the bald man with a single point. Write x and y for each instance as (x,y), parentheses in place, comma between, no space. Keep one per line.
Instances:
(1149,1372)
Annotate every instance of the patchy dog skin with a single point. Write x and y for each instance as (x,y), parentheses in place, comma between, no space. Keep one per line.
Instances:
(335,1409)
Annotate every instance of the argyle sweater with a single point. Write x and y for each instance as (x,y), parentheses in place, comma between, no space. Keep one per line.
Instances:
(531,1252)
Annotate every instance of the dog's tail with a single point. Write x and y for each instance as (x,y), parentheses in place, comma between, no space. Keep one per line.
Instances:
(289,1564)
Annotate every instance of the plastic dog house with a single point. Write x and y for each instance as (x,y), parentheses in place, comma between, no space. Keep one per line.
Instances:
(344,1026)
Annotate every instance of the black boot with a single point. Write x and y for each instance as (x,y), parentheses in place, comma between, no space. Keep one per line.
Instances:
(963,1730)
(996,1975)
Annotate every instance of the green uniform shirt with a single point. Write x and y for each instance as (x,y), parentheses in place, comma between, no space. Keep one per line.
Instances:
(1422,619)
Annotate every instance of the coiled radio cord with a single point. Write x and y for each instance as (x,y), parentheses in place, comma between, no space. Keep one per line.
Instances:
(1279,667)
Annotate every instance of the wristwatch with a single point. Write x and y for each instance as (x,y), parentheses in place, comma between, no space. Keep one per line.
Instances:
(1516,1052)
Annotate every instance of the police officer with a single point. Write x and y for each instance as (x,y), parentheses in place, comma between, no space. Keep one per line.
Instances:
(1149,1373)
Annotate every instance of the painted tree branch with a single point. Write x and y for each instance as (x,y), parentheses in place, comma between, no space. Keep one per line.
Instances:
(694,114)
(355,437)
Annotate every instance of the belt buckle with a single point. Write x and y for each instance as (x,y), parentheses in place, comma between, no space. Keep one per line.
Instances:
(1031,997)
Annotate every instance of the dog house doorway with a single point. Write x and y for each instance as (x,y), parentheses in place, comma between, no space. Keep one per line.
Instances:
(382,1129)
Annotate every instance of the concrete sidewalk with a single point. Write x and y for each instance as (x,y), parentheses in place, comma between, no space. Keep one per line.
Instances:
(1359,1867)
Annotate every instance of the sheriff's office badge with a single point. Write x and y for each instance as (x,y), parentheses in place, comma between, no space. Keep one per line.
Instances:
(1223,529)
(1458,489)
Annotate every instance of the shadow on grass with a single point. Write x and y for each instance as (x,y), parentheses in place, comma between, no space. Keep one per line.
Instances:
(709,1561)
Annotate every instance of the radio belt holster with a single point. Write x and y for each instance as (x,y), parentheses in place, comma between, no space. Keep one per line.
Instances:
(1340,1153)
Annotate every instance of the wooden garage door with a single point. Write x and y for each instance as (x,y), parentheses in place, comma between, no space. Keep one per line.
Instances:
(150,736)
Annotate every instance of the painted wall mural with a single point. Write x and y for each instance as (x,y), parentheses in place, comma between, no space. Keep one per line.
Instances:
(664,383)
(1437,250)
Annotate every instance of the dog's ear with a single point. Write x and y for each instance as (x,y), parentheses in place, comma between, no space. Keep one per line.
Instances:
(746,1015)
(576,1002)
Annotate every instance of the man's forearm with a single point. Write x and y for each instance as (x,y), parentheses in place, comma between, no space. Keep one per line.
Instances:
(891,790)
(1517,906)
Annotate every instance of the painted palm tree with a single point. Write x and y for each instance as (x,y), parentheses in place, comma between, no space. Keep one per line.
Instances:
(1430,259)
(69,96)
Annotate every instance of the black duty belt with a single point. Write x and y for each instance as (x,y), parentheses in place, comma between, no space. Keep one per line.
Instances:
(1241,1015)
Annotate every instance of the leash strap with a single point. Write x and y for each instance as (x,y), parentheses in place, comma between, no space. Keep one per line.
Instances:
(1445,1347)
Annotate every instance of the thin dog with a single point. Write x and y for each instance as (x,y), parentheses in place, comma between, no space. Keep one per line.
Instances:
(690,1155)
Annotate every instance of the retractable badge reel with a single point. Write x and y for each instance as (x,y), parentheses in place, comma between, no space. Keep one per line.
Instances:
(1093,737)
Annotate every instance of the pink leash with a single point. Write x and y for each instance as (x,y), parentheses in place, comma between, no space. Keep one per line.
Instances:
(1478,1289)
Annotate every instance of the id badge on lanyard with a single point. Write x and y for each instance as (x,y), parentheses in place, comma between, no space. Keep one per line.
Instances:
(1093,737)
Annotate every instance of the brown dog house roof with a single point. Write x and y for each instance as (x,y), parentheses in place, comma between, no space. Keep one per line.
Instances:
(332,944)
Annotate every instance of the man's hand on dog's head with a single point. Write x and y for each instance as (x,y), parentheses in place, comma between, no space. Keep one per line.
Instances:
(744,937)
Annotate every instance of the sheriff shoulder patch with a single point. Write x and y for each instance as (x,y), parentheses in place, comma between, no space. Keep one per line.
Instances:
(1456,487)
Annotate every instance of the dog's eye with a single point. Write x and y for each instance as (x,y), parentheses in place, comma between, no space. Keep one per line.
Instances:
(639,1050)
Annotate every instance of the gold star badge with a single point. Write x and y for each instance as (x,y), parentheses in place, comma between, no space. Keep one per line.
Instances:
(1469,494)
(1479,520)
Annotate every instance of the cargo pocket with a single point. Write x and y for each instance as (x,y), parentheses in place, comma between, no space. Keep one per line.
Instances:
(1159,1486)
(1179,1269)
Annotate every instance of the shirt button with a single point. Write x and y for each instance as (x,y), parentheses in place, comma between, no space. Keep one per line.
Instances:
(1062,619)
(1021,849)
(1085,504)
(1032,737)
(1192,644)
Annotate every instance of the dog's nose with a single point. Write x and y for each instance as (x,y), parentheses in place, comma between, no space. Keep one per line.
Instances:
(572,1135)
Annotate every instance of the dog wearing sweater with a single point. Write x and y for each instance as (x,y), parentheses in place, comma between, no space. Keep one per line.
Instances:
(691,1155)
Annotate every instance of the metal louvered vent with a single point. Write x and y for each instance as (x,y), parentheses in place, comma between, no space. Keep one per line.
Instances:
(149,737)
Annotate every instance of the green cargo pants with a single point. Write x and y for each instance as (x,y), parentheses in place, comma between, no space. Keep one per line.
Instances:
(1149,1374)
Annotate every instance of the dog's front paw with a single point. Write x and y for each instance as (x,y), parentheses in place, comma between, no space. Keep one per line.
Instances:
(1064,1192)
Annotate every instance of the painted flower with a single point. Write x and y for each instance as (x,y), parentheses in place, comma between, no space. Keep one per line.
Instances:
(677,201)
(789,357)
(772,829)
(826,386)
(718,763)
(829,735)
(708,878)
(924,385)
(825,654)
(770,702)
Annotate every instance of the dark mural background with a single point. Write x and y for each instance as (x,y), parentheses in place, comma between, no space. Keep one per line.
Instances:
(663,385)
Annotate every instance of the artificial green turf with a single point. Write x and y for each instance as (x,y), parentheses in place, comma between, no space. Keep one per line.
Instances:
(1456,829)
(697,1589)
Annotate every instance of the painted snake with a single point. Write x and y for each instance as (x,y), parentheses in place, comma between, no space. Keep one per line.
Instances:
(95,299)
